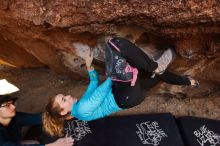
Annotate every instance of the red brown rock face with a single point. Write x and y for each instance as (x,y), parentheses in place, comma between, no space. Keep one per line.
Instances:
(37,33)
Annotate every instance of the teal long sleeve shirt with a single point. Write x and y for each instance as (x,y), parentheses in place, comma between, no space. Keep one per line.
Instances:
(98,100)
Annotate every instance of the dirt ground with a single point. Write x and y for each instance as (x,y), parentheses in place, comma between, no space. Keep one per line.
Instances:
(38,85)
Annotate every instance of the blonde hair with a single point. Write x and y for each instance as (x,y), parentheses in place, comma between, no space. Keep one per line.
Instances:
(53,122)
(53,126)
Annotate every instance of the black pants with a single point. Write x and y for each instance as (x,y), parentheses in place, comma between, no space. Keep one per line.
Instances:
(127,96)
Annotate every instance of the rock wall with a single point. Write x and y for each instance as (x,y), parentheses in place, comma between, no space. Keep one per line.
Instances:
(36,33)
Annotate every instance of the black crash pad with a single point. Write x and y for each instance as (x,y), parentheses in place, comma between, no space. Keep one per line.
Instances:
(90,133)
(142,130)
(132,130)
(199,131)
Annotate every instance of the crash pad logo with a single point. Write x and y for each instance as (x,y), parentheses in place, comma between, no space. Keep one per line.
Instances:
(206,136)
(77,129)
(150,133)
